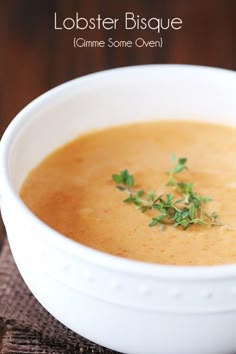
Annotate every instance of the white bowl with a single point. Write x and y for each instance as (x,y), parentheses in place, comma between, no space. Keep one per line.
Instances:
(126,305)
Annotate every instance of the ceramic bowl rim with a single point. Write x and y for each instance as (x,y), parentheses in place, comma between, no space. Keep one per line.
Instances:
(62,242)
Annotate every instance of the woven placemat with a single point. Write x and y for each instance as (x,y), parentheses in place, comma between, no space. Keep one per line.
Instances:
(25,326)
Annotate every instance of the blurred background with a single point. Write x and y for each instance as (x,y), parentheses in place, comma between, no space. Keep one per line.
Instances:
(35,57)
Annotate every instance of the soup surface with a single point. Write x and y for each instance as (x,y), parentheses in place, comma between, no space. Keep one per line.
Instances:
(73,192)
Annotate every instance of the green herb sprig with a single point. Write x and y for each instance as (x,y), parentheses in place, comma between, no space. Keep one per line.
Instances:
(183,211)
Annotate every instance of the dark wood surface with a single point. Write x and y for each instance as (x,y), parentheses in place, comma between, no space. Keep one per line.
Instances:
(34,57)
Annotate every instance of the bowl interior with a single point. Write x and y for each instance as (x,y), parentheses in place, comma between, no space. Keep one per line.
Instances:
(115,97)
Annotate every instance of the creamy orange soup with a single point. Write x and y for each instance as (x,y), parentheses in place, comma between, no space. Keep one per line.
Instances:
(73,192)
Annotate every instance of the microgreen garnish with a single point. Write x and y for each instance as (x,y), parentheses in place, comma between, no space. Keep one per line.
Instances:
(184,210)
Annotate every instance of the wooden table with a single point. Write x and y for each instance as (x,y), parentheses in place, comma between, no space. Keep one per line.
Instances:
(35,57)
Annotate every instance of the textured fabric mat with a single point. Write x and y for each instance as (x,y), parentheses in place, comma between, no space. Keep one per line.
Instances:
(25,326)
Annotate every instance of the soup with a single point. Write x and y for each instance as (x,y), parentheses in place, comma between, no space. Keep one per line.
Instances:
(72,190)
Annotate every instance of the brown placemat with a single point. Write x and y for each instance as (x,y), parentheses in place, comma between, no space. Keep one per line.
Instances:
(25,326)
